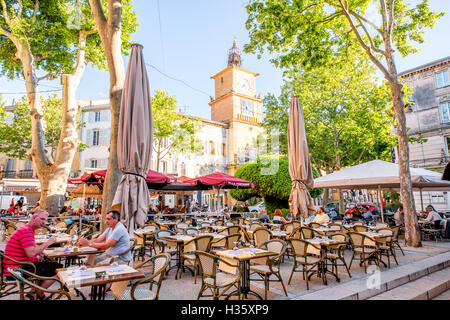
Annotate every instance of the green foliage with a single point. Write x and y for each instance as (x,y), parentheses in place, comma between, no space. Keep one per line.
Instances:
(274,188)
(15,127)
(51,30)
(311,32)
(172,132)
(346,112)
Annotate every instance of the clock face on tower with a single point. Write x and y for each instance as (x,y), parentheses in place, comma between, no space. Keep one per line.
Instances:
(245,86)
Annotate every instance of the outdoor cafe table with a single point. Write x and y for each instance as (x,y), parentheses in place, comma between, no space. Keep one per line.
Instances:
(69,253)
(97,277)
(325,244)
(60,238)
(243,257)
(180,240)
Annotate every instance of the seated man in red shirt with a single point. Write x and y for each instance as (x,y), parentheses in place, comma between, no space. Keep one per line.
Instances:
(22,247)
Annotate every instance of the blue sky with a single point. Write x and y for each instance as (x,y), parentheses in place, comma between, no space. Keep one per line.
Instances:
(189,41)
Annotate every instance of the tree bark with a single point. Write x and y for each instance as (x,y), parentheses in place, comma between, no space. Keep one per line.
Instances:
(52,174)
(110,31)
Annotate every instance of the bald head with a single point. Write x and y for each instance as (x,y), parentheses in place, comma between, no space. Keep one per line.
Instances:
(39,219)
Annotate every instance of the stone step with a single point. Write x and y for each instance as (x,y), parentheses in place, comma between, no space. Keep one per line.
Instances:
(424,288)
(376,283)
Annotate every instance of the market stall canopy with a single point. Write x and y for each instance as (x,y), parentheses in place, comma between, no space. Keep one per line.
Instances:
(220,180)
(378,173)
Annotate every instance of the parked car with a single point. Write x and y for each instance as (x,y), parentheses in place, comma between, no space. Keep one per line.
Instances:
(330,206)
(370,206)
(257,207)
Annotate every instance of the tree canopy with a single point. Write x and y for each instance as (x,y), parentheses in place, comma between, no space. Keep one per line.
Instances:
(346,111)
(15,127)
(173,133)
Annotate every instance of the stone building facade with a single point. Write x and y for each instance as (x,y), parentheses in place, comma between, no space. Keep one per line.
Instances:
(428,116)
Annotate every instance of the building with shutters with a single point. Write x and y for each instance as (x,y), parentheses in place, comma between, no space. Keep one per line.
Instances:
(428,116)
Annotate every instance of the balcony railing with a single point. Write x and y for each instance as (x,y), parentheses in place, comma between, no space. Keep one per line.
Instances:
(20,174)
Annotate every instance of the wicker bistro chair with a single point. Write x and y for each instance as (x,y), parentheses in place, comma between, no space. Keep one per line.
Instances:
(364,247)
(307,255)
(396,231)
(359,228)
(138,291)
(131,249)
(29,279)
(219,283)
(314,225)
(8,287)
(386,246)
(202,243)
(233,229)
(261,236)
(144,242)
(166,246)
(231,239)
(272,265)
(288,227)
(308,233)
(335,252)
(10,228)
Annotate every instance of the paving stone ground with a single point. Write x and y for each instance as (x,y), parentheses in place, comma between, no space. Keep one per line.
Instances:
(185,289)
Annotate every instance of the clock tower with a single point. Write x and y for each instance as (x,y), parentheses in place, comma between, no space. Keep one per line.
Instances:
(237,104)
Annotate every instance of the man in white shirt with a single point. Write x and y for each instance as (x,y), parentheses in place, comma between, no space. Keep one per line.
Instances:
(432,215)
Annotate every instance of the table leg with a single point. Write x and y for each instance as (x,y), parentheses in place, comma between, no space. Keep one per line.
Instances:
(245,282)
(98,292)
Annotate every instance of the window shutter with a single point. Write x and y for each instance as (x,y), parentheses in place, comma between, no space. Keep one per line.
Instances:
(87,163)
(91,116)
(89,138)
(108,136)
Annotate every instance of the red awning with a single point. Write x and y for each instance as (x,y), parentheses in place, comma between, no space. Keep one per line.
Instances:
(222,180)
(99,177)
(156,177)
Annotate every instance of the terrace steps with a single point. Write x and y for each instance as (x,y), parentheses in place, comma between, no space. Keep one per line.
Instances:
(424,279)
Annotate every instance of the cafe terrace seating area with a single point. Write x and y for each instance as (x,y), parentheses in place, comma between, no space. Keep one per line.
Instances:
(207,256)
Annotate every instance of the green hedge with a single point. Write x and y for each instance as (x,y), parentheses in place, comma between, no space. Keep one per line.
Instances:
(275,188)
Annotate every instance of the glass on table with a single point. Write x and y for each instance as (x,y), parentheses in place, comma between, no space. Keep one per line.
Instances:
(252,243)
(236,245)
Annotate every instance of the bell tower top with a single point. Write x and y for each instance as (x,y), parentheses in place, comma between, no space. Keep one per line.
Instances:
(234,55)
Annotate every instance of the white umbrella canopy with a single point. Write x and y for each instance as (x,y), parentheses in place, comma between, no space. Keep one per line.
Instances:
(383,175)
(300,168)
(134,146)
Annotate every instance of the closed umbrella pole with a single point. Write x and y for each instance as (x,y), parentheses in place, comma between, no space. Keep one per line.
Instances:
(421,200)
(300,168)
(134,143)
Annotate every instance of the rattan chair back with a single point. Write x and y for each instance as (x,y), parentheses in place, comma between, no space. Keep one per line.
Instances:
(307,233)
(231,239)
(203,243)
(31,280)
(314,225)
(359,228)
(233,229)
(261,235)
